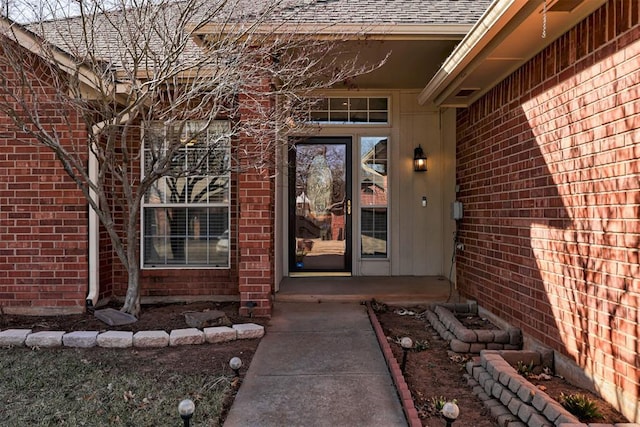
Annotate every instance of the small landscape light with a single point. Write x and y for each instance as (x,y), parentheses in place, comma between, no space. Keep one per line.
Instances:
(186,409)
(235,363)
(250,306)
(406,343)
(450,412)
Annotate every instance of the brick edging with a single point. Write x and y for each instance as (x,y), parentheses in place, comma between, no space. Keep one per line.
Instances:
(406,400)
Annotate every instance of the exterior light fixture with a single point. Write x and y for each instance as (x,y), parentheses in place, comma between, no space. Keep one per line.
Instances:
(419,160)
(406,343)
(235,363)
(186,409)
(450,412)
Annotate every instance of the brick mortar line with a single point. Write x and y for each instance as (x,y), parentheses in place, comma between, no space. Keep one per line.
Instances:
(406,400)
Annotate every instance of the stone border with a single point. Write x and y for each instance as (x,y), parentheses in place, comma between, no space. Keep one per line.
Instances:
(126,339)
(464,340)
(511,399)
(404,394)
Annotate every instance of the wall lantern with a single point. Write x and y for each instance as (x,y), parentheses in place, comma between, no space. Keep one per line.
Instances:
(419,160)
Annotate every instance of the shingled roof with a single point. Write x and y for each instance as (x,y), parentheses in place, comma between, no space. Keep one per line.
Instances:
(367,12)
(386,11)
(67,34)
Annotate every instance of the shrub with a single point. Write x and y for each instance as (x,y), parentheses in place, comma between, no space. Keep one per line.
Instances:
(437,403)
(421,345)
(581,406)
(524,369)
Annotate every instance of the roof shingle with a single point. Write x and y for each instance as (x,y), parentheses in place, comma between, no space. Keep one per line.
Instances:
(114,32)
(386,11)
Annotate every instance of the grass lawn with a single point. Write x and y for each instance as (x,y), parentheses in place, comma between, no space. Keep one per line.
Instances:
(98,387)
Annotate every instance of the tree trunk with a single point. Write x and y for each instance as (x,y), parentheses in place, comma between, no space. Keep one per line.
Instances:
(132,299)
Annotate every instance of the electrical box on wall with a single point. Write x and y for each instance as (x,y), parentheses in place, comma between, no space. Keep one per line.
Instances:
(456,210)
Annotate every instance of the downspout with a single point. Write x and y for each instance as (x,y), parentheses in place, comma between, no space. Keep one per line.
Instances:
(94,238)
(94,223)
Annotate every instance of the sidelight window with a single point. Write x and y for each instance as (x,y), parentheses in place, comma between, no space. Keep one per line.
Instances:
(374,197)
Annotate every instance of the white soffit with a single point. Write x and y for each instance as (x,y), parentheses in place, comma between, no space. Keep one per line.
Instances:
(506,36)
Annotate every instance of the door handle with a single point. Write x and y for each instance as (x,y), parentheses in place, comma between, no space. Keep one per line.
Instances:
(348,207)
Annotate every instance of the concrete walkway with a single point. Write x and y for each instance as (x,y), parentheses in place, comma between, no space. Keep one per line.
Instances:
(317,365)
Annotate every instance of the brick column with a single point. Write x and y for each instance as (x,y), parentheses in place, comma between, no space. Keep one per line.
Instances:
(256,194)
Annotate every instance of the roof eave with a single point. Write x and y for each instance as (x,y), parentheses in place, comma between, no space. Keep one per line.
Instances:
(503,22)
(35,44)
(494,18)
(354,31)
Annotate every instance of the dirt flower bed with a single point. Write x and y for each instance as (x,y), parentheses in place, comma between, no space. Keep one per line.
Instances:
(556,386)
(475,322)
(157,317)
(434,374)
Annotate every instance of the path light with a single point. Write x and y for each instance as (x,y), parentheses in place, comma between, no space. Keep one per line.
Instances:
(235,363)
(250,306)
(186,409)
(450,412)
(406,343)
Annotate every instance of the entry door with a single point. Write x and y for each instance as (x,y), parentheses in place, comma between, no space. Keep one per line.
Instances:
(320,206)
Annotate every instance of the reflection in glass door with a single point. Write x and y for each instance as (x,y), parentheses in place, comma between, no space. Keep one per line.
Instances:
(374,200)
(320,206)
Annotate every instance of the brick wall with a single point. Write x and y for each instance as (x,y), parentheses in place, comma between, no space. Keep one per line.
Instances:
(549,168)
(256,201)
(43,217)
(44,226)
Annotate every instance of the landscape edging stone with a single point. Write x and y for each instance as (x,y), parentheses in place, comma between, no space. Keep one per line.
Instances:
(122,339)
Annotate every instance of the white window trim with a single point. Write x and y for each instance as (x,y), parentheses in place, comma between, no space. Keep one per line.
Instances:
(366,124)
(223,125)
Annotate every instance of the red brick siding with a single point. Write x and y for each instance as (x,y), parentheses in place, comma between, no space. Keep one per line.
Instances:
(43,221)
(40,204)
(256,196)
(549,168)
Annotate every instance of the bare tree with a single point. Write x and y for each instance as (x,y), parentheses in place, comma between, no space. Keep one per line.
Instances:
(122,67)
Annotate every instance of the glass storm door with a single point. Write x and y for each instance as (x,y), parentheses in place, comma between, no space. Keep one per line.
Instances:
(320,206)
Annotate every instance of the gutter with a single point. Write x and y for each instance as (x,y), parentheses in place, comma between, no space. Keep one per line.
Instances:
(341,32)
(505,23)
(492,21)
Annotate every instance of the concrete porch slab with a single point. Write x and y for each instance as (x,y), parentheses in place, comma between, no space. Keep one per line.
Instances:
(394,289)
(319,317)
